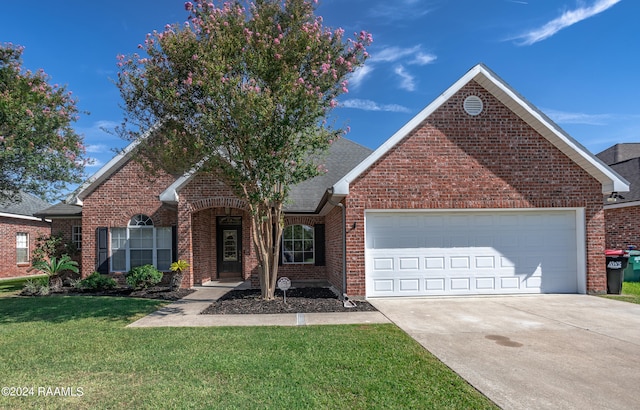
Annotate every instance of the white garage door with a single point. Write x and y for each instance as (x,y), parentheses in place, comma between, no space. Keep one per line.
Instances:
(472,252)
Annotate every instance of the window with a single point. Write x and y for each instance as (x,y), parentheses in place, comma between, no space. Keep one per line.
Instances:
(76,236)
(22,247)
(297,244)
(140,244)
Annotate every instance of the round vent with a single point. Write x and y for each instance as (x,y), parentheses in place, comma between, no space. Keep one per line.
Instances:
(473,105)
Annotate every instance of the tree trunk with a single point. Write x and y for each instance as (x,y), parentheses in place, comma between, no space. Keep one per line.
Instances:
(266,223)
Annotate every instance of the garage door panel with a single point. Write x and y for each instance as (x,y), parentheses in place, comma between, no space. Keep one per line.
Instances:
(471,253)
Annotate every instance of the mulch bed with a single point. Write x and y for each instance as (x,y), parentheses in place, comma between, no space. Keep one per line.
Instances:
(299,300)
(156,292)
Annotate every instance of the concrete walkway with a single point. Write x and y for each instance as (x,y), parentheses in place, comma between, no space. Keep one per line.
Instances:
(186,313)
(532,352)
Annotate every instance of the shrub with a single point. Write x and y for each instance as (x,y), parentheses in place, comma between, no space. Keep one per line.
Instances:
(37,286)
(178,267)
(143,276)
(54,268)
(49,246)
(96,281)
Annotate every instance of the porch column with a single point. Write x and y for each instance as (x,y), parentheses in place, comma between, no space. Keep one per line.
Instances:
(185,244)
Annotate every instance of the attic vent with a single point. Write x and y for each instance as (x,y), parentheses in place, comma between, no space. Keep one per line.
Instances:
(473,105)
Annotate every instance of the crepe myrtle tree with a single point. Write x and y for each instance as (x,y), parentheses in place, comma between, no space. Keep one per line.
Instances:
(243,88)
(40,152)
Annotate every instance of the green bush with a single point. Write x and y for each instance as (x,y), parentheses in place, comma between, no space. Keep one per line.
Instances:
(96,281)
(36,286)
(143,276)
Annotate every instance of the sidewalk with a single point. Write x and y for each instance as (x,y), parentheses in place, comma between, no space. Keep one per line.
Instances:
(186,313)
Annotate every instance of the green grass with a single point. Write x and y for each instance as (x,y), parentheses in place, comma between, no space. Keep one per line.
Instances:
(81,341)
(630,293)
(13,286)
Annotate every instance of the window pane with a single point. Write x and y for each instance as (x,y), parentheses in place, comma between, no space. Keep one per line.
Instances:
(141,257)
(22,255)
(22,247)
(119,261)
(163,238)
(286,233)
(164,259)
(118,238)
(297,244)
(76,236)
(141,238)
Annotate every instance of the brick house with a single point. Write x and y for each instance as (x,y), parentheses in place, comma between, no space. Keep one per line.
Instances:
(480,193)
(622,212)
(19,229)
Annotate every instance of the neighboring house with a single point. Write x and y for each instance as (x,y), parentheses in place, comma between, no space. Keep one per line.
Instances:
(19,229)
(622,212)
(480,193)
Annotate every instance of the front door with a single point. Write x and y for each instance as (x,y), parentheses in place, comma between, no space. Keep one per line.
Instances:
(229,247)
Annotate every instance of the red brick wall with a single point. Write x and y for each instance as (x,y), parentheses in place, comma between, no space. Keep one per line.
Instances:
(455,161)
(128,192)
(65,227)
(9,227)
(622,227)
(333,233)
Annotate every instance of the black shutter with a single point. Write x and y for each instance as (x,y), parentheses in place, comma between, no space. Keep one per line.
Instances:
(102,250)
(319,244)
(174,243)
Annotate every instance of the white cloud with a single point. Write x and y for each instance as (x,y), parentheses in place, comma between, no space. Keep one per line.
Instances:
(368,105)
(423,59)
(567,19)
(392,54)
(358,76)
(563,117)
(407,81)
(97,148)
(391,12)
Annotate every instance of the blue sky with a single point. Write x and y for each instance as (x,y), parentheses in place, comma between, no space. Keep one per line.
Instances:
(576,60)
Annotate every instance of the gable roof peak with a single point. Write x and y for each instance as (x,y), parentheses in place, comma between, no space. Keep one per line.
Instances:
(492,83)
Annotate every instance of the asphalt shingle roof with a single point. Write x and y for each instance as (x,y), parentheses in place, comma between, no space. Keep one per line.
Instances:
(60,210)
(342,157)
(625,160)
(26,205)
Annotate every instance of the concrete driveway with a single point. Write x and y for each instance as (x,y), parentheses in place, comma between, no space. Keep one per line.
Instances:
(529,352)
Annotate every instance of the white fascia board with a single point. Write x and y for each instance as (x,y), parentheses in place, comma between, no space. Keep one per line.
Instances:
(101,175)
(613,205)
(108,169)
(170,195)
(331,203)
(24,217)
(610,180)
(342,186)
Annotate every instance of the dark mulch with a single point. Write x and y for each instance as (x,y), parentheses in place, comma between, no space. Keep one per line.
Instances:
(156,292)
(299,300)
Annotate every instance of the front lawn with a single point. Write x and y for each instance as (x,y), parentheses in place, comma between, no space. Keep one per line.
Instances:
(81,343)
(14,286)
(630,293)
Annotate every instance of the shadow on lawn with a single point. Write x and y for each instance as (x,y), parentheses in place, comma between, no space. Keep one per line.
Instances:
(58,309)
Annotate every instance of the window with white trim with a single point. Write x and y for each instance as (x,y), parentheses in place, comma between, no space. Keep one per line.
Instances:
(141,243)
(76,236)
(22,247)
(297,244)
